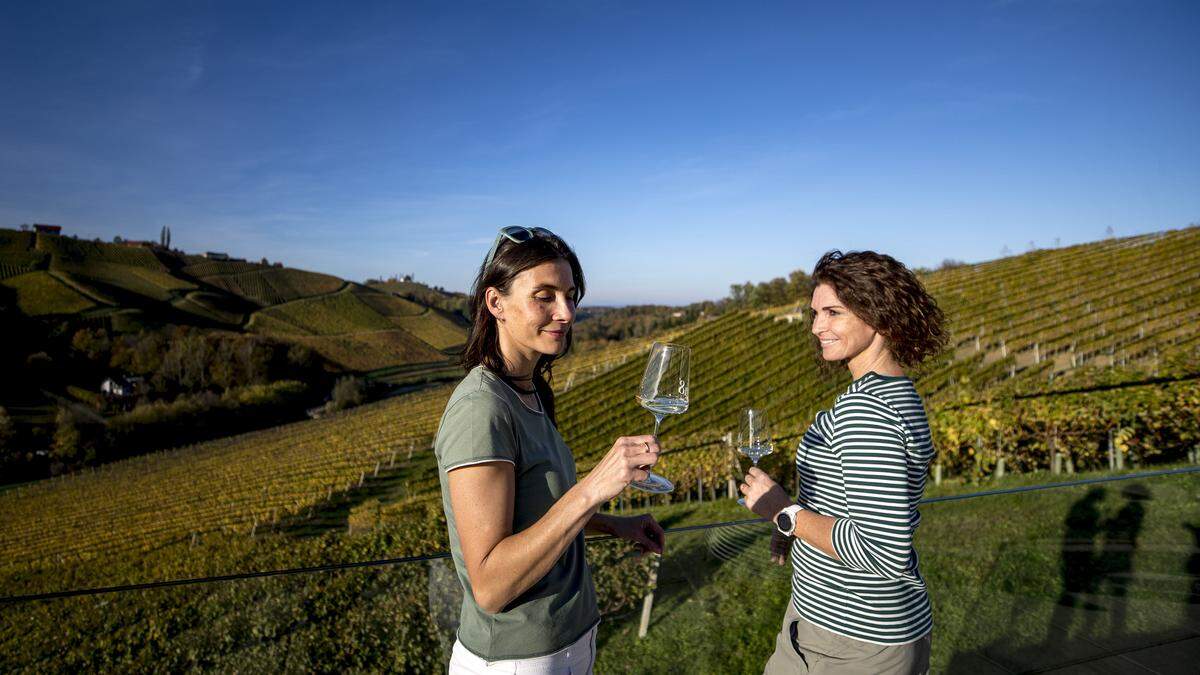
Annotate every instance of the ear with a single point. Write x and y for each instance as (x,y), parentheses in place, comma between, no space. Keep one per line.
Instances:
(494,301)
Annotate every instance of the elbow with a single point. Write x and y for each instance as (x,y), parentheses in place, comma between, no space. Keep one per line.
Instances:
(489,606)
(489,598)
(488,601)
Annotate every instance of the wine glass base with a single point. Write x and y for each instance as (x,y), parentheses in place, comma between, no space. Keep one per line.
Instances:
(654,483)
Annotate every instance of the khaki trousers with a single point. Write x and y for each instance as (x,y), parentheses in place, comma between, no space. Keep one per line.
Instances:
(802,647)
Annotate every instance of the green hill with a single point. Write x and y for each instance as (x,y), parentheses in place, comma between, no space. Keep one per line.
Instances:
(1069,351)
(63,278)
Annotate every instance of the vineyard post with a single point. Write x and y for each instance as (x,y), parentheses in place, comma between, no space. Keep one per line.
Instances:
(1056,463)
(648,600)
(1112,460)
(937,475)
(700,489)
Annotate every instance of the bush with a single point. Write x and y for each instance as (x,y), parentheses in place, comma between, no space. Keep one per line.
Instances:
(348,392)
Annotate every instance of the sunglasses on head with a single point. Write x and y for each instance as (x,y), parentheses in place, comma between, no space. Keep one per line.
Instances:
(517,234)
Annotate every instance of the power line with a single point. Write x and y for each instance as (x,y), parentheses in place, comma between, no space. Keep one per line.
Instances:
(333,567)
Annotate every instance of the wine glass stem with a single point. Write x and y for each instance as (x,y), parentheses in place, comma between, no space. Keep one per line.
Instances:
(657,421)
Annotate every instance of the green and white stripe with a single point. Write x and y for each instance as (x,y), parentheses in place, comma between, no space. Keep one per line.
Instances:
(864,463)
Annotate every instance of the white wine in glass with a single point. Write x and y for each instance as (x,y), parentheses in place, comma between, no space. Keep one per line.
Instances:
(753,437)
(664,391)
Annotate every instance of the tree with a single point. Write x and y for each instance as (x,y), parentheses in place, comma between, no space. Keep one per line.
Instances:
(68,439)
(348,392)
(94,344)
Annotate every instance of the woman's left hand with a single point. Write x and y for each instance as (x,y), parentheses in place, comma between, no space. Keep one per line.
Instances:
(763,496)
(642,530)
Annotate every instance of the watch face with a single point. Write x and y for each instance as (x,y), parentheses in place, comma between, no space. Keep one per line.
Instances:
(783,522)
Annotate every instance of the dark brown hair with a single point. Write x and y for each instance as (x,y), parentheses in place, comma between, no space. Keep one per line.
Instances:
(881,291)
(483,341)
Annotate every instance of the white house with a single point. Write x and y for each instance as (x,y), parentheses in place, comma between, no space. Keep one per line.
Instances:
(121,386)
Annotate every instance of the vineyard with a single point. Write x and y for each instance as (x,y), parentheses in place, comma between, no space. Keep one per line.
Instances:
(356,327)
(333,314)
(1053,367)
(274,286)
(1146,409)
(228,485)
(370,350)
(38,293)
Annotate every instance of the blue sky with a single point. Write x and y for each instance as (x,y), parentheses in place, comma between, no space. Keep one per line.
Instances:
(678,147)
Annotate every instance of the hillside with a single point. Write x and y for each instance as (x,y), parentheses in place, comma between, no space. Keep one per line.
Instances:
(127,287)
(193,336)
(1132,372)
(1050,355)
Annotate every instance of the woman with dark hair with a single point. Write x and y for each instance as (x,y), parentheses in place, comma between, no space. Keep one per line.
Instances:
(858,602)
(514,510)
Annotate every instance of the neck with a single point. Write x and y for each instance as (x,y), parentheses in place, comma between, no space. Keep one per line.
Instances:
(875,358)
(518,364)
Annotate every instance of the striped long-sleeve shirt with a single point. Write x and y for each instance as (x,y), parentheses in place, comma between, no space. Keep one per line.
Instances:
(864,463)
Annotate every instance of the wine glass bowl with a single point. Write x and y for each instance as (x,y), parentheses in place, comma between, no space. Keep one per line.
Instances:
(664,391)
(753,437)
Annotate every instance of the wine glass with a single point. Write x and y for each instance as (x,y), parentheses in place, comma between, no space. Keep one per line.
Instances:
(753,437)
(664,391)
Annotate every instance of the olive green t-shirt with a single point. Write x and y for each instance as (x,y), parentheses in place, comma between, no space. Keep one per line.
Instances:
(485,421)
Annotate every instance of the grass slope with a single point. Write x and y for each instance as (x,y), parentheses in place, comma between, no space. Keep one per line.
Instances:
(40,294)
(994,568)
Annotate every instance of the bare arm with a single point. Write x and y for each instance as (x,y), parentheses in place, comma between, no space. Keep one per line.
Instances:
(502,565)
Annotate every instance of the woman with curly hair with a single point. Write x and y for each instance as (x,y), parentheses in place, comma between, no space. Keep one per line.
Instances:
(858,602)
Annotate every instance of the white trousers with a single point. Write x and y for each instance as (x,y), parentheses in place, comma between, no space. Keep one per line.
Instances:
(576,659)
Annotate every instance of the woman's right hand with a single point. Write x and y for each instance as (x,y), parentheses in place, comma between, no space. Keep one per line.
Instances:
(629,459)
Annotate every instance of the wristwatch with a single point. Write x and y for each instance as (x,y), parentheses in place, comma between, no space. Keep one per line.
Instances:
(785,520)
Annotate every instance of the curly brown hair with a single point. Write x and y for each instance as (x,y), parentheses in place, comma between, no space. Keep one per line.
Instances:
(885,294)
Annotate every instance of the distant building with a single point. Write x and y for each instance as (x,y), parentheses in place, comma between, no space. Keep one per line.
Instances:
(47,229)
(216,256)
(121,386)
